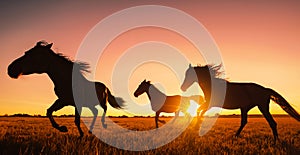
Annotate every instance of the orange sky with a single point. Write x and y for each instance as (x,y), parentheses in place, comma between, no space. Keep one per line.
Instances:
(259,42)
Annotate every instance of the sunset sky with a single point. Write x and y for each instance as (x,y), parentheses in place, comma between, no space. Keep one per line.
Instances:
(258,41)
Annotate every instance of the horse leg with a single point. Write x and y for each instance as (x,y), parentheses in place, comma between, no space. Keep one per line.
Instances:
(265,111)
(244,116)
(57,105)
(188,115)
(104,106)
(156,119)
(161,121)
(199,112)
(202,110)
(77,120)
(176,116)
(95,113)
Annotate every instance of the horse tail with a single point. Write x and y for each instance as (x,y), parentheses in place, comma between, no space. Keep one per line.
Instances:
(115,102)
(284,105)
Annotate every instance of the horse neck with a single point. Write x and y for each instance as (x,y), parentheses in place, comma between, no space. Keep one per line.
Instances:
(205,84)
(155,93)
(60,71)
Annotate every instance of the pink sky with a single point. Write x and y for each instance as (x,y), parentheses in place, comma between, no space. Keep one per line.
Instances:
(259,42)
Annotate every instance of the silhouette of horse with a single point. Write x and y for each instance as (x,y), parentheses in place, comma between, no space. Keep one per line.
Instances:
(41,59)
(162,103)
(238,95)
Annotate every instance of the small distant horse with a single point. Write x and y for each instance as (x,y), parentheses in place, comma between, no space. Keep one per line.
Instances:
(238,95)
(162,103)
(41,59)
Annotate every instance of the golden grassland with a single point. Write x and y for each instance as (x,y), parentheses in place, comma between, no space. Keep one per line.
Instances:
(25,135)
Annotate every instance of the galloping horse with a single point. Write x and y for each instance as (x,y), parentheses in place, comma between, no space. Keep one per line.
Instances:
(162,103)
(60,69)
(238,95)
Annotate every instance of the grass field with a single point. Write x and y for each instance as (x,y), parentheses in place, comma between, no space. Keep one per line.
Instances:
(26,135)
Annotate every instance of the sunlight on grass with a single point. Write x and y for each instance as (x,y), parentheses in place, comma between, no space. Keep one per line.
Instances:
(37,136)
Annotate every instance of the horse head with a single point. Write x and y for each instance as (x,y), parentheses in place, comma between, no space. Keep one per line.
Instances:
(190,78)
(35,60)
(201,74)
(143,87)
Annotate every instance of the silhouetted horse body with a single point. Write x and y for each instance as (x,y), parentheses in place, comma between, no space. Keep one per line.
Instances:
(162,103)
(41,59)
(238,95)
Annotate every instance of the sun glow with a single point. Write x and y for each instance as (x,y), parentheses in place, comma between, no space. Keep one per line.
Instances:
(193,108)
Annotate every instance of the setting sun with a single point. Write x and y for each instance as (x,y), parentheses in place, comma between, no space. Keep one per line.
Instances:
(193,108)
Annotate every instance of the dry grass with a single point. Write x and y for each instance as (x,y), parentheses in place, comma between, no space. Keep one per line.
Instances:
(36,136)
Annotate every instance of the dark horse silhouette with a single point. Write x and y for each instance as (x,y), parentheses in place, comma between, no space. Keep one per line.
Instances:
(238,95)
(162,103)
(41,59)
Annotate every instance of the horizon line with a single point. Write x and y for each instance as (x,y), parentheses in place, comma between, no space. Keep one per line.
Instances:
(139,116)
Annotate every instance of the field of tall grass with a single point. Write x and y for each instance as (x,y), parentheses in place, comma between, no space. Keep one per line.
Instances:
(26,135)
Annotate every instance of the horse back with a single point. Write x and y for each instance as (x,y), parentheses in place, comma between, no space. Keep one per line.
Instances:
(171,104)
(93,93)
(240,95)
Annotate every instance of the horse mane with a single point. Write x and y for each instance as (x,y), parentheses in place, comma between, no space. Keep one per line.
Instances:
(83,67)
(215,70)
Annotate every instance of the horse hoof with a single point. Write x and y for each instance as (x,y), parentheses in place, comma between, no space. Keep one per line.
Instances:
(63,129)
(104,126)
(90,132)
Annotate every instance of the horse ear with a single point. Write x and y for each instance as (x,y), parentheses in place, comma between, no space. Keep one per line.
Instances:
(49,45)
(149,82)
(190,65)
(39,43)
